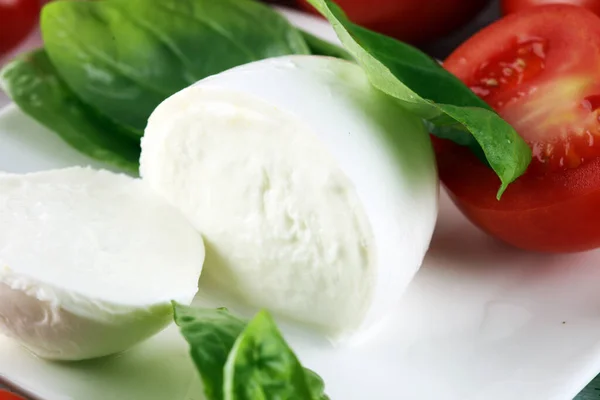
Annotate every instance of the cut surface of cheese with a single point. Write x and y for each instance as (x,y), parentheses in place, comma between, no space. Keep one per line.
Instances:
(90,261)
(315,193)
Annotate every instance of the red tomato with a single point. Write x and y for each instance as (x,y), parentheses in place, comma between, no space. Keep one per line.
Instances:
(540,70)
(511,6)
(4,395)
(413,21)
(17,19)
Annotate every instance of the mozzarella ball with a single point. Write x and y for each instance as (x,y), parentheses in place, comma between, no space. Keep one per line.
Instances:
(315,193)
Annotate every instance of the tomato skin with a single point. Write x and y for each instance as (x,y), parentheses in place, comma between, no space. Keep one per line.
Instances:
(513,6)
(551,215)
(17,20)
(4,395)
(413,21)
(558,211)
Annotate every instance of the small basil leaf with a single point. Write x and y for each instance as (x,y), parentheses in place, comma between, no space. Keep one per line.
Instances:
(262,366)
(421,85)
(34,85)
(316,386)
(211,333)
(124,57)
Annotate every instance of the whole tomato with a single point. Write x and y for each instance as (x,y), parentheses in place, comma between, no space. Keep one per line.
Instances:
(413,21)
(17,20)
(512,6)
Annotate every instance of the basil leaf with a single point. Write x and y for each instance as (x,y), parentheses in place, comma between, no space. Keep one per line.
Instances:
(425,88)
(124,57)
(322,47)
(33,84)
(262,366)
(316,386)
(213,333)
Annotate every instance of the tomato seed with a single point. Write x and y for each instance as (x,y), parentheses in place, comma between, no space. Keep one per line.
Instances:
(497,78)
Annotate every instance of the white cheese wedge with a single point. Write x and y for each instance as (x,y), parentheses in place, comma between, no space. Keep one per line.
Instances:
(89,262)
(316,194)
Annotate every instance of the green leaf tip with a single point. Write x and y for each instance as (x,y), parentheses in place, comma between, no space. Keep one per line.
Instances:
(422,86)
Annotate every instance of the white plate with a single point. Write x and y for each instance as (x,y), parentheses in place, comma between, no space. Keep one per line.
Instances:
(481,321)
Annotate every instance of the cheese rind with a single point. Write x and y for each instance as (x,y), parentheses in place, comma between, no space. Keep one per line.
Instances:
(315,193)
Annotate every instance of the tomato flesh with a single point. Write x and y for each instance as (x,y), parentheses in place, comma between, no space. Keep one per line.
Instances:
(540,70)
(558,120)
(498,81)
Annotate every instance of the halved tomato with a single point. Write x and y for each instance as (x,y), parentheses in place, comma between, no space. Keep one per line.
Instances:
(540,70)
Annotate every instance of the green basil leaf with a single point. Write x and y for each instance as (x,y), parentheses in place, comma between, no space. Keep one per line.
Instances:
(124,57)
(262,366)
(322,47)
(421,85)
(34,85)
(211,334)
(316,386)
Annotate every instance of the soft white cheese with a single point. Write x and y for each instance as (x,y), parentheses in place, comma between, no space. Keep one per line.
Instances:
(89,262)
(315,193)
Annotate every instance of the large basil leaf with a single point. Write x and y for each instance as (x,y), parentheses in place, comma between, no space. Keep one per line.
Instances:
(421,85)
(262,366)
(213,333)
(124,57)
(32,82)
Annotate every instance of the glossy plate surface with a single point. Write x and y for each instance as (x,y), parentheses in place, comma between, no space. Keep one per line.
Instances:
(481,321)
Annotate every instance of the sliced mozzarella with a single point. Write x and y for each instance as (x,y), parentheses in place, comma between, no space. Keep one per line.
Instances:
(315,193)
(89,262)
